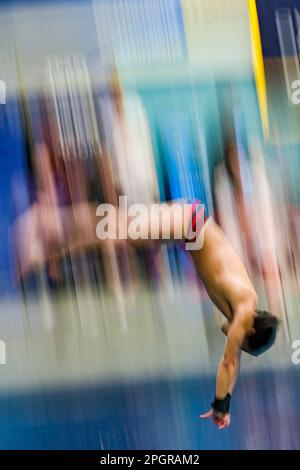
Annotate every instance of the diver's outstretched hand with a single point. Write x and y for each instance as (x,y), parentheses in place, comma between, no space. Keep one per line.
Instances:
(222,420)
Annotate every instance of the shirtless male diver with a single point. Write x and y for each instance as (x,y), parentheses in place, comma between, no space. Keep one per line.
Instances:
(47,232)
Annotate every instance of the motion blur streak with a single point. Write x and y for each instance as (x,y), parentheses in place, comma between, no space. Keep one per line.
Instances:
(114,346)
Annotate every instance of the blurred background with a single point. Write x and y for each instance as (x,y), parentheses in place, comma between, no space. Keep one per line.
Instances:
(156,99)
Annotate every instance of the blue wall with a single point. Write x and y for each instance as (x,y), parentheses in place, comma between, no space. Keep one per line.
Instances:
(154,415)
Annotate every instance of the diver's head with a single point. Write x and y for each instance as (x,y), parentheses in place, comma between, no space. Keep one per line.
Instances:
(265,328)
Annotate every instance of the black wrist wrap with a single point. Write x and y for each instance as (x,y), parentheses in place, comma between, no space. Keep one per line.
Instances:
(222,405)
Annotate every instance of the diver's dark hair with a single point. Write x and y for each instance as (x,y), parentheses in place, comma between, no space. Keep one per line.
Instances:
(265,325)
